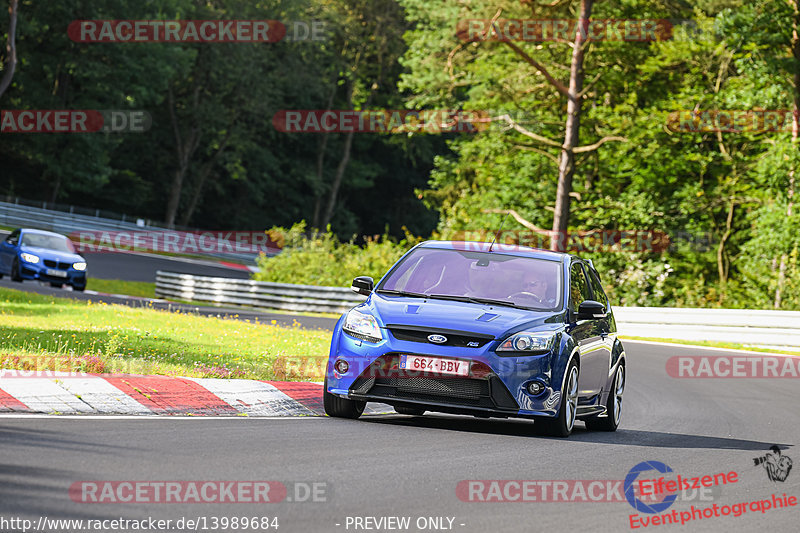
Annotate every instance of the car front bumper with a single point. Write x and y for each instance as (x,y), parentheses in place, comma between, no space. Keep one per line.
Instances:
(39,272)
(496,386)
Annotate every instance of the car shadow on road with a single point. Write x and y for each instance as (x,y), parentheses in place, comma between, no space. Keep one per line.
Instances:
(526,428)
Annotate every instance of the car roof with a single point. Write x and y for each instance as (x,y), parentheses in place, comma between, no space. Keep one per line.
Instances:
(41,232)
(499,248)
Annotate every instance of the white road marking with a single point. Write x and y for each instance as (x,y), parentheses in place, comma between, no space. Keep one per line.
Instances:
(253,397)
(104,397)
(44,395)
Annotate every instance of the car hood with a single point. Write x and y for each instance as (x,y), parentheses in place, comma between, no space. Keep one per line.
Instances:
(46,253)
(486,319)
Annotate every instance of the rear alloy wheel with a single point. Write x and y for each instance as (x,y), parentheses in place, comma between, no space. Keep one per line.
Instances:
(614,406)
(340,407)
(15,271)
(561,425)
(413,411)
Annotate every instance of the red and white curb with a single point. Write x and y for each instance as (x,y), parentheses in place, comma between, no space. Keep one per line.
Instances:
(70,394)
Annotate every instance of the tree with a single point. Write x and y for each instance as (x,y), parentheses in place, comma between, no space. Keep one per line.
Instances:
(11,47)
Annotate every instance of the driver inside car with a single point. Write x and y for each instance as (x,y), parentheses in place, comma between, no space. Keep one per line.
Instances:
(534,288)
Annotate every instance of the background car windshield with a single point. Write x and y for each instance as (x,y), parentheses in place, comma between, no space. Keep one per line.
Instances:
(49,242)
(523,281)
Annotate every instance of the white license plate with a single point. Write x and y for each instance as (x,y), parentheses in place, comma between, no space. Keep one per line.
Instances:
(434,364)
(56,273)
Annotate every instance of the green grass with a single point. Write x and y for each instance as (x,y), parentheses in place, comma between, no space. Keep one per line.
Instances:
(715,344)
(45,333)
(129,288)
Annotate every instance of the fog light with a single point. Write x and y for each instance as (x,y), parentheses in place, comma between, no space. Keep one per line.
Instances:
(535,388)
(341,366)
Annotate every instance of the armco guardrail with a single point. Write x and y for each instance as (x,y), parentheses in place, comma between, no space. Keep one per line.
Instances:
(743,326)
(255,293)
(26,216)
(760,328)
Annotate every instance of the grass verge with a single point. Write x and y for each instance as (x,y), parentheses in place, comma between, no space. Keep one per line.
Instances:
(714,344)
(128,288)
(44,333)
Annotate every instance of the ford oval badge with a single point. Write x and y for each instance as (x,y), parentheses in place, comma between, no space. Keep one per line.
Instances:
(438,339)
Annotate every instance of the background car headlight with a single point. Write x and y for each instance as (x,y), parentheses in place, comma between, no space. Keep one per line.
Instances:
(29,258)
(528,341)
(362,326)
(79,266)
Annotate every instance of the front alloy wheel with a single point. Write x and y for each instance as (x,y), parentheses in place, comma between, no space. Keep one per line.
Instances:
(340,407)
(561,426)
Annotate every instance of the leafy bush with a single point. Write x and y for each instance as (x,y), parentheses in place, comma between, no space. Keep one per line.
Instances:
(323,260)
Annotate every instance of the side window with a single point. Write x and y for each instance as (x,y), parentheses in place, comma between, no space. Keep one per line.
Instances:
(578,287)
(597,287)
(13,238)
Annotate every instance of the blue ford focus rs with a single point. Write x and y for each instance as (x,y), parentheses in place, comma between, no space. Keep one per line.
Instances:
(482,330)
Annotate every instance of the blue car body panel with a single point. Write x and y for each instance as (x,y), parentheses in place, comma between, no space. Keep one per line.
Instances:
(591,343)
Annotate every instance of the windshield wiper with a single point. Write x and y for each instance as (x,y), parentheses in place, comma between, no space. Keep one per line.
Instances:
(470,299)
(402,293)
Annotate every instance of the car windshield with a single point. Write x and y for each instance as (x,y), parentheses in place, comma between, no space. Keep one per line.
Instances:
(481,277)
(49,242)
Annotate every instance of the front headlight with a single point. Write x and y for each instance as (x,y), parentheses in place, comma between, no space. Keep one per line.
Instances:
(79,266)
(362,326)
(29,258)
(528,341)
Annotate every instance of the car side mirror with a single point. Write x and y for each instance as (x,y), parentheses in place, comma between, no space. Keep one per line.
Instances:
(363,285)
(590,310)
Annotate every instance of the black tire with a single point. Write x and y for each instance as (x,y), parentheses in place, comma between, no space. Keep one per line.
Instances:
(15,271)
(57,285)
(613,407)
(340,407)
(412,411)
(562,425)
(79,289)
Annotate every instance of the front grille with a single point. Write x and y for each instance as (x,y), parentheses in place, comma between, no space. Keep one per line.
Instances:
(460,339)
(457,391)
(56,264)
(385,380)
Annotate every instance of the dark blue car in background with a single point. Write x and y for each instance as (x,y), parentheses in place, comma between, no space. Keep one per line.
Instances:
(483,330)
(43,256)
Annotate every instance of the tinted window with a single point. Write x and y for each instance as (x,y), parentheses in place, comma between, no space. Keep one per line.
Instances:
(523,281)
(597,287)
(578,287)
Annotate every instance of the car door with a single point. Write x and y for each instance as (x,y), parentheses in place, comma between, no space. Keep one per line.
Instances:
(604,325)
(587,334)
(8,249)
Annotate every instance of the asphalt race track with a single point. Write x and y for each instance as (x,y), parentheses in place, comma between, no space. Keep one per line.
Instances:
(138,267)
(386,466)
